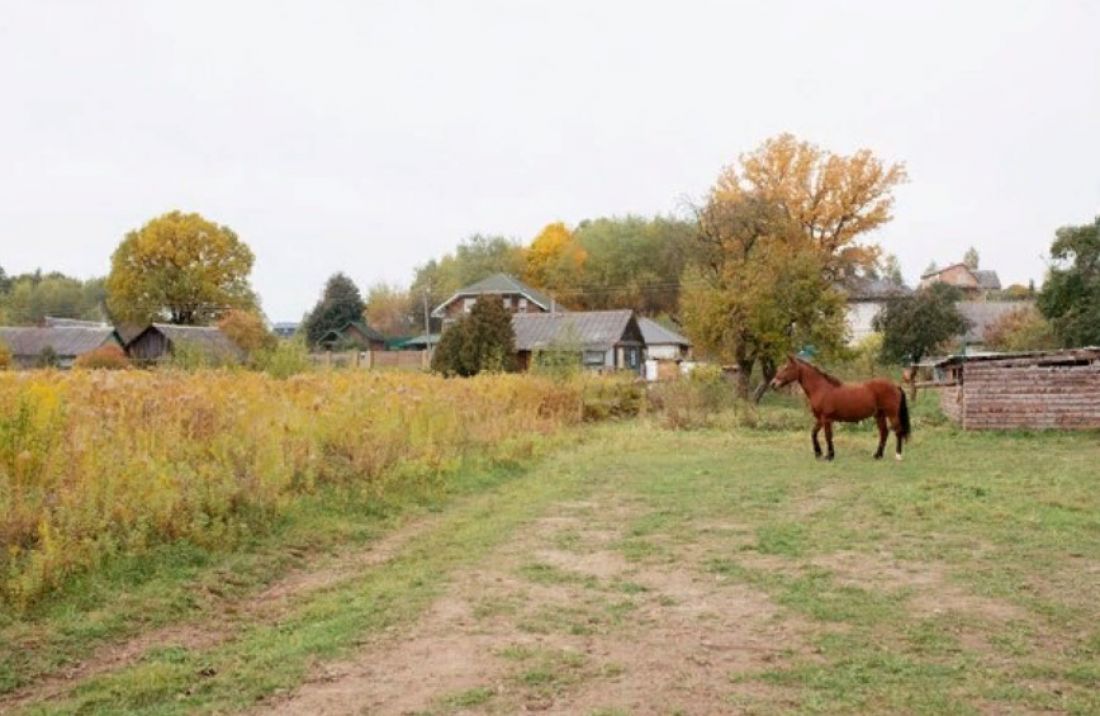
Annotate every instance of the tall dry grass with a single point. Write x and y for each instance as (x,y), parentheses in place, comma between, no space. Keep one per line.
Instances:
(98,464)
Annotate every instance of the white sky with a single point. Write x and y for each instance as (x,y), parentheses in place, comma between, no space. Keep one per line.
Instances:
(371,136)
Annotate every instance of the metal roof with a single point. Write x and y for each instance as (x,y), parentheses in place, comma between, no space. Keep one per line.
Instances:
(66,341)
(1088,353)
(987,279)
(983,314)
(655,334)
(592,330)
(873,289)
(500,284)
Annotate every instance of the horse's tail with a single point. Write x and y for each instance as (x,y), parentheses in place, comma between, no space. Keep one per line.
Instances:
(903,416)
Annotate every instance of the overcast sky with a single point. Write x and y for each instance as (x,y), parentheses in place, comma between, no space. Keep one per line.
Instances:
(369,137)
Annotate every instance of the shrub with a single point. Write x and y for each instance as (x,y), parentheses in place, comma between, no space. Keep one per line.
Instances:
(284,359)
(695,400)
(109,357)
(481,341)
(1023,329)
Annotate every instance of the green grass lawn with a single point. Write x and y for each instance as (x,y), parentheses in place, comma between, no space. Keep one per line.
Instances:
(965,579)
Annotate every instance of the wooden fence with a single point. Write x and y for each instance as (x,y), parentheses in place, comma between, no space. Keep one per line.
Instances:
(371,360)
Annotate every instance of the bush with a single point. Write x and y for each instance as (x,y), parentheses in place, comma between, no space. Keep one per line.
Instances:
(1023,329)
(481,341)
(695,400)
(109,357)
(285,359)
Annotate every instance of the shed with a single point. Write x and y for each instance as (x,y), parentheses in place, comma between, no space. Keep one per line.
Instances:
(606,340)
(663,343)
(1037,390)
(162,340)
(67,342)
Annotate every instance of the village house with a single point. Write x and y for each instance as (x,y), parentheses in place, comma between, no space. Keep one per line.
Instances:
(866,298)
(354,335)
(983,315)
(517,296)
(161,341)
(57,345)
(605,340)
(974,283)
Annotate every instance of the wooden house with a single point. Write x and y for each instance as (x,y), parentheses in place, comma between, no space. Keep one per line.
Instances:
(518,298)
(663,343)
(354,335)
(605,340)
(58,345)
(161,341)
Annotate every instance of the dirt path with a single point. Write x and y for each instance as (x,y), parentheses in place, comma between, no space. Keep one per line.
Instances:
(568,618)
(224,621)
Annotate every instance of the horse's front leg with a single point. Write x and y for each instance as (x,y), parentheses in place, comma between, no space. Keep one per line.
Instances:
(829,440)
(813,435)
(883,433)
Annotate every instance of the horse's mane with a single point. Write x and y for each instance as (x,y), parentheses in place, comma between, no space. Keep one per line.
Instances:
(831,379)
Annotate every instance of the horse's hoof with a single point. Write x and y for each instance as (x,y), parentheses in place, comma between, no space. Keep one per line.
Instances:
(897,456)
(878,456)
(830,457)
(818,456)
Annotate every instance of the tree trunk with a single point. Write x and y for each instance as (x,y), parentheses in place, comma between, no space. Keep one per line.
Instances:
(744,374)
(767,367)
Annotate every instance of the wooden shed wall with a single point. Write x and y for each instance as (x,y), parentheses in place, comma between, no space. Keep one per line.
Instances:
(149,346)
(1027,396)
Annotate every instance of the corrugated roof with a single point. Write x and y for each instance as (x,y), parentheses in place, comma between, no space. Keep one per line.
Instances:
(592,330)
(983,314)
(498,283)
(655,334)
(873,289)
(66,341)
(1088,353)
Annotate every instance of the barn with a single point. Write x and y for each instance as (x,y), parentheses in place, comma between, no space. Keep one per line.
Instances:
(162,340)
(1040,390)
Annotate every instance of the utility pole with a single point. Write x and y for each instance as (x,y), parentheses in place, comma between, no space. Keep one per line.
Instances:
(427,323)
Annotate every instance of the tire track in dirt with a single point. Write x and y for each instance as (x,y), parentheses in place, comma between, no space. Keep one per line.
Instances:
(559,621)
(223,620)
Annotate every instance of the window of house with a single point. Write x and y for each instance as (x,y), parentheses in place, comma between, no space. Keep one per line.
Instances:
(523,305)
(507,302)
(468,304)
(593,357)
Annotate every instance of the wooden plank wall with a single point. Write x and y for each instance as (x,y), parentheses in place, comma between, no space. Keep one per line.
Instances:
(1029,396)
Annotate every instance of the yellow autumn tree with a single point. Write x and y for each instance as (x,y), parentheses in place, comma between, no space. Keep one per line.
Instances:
(554,258)
(836,199)
(181,268)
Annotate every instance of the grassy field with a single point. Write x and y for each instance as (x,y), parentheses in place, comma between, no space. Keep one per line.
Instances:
(624,568)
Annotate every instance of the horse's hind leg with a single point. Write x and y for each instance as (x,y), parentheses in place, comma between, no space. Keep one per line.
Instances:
(813,436)
(895,425)
(829,440)
(883,432)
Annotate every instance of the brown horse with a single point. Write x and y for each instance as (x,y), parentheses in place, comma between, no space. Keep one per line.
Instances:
(832,400)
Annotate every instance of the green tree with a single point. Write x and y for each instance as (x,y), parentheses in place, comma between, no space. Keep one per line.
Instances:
(757,289)
(913,325)
(971,259)
(1070,297)
(340,304)
(481,341)
(31,297)
(181,268)
(630,262)
(891,269)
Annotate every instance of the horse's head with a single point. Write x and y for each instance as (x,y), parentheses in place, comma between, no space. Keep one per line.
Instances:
(787,373)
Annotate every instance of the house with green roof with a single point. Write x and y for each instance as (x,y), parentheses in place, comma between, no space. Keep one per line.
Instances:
(518,298)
